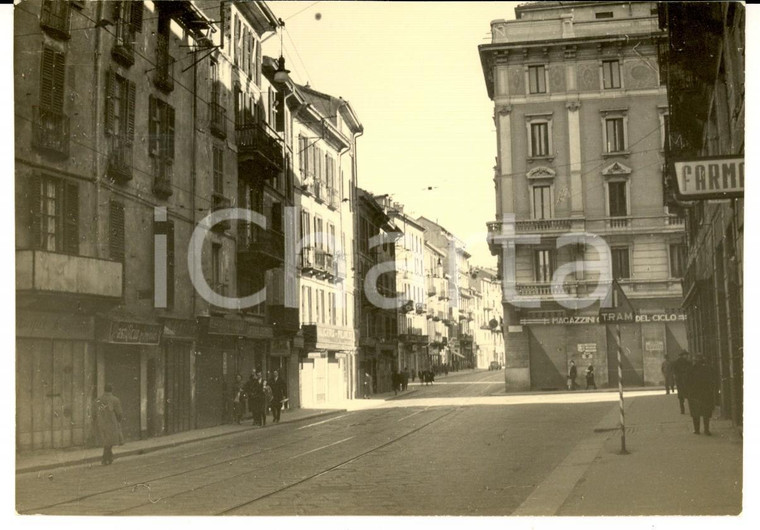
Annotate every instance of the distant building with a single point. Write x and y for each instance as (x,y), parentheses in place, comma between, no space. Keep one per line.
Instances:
(489,319)
(705,55)
(580,108)
(436,277)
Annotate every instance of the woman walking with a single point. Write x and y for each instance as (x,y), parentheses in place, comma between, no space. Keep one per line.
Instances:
(109,414)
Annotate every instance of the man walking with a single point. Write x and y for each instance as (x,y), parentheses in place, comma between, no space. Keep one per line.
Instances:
(256,401)
(109,414)
(667,372)
(700,392)
(680,369)
(572,374)
(279,395)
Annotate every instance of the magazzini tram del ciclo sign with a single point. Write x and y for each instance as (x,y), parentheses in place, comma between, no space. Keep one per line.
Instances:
(713,177)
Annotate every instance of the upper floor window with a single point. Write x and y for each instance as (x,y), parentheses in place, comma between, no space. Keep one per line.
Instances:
(617,198)
(604,14)
(621,268)
(537,79)
(543,261)
(677,260)
(539,139)
(611,74)
(161,129)
(54,18)
(128,18)
(116,238)
(542,203)
(614,134)
(55,214)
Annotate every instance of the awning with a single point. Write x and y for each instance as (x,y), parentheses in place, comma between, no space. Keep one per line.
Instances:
(458,354)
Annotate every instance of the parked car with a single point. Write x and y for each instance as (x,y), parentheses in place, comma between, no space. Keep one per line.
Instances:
(495,365)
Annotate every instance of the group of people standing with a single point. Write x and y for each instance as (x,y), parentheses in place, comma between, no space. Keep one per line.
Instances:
(695,383)
(572,374)
(261,395)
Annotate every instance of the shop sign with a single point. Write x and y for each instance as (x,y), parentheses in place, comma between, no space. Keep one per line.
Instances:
(715,177)
(132,333)
(177,328)
(606,318)
(239,328)
(54,326)
(654,345)
(662,317)
(515,329)
(280,348)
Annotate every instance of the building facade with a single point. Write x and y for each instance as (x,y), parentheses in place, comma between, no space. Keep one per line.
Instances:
(489,319)
(437,306)
(130,133)
(324,132)
(705,79)
(580,109)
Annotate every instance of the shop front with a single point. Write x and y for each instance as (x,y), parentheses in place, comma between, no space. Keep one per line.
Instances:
(178,347)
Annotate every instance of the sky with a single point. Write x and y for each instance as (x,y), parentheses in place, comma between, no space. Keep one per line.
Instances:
(412,73)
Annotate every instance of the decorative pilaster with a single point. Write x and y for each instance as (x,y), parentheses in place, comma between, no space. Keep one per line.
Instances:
(504,181)
(574,140)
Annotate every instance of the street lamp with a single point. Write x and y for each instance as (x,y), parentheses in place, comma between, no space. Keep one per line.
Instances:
(281,74)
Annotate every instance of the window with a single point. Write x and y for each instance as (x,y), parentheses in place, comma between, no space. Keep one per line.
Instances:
(539,139)
(216,268)
(614,129)
(618,203)
(116,226)
(218,169)
(665,131)
(305,229)
(161,129)
(620,265)
(51,125)
(544,265)
(128,17)
(54,18)
(537,79)
(677,260)
(542,205)
(55,214)
(604,14)
(319,239)
(611,74)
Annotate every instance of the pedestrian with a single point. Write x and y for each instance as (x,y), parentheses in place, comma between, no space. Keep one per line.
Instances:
(680,369)
(667,372)
(572,374)
(248,389)
(256,400)
(279,395)
(419,376)
(700,391)
(394,382)
(366,385)
(238,399)
(413,374)
(590,377)
(446,369)
(266,391)
(109,416)
(405,379)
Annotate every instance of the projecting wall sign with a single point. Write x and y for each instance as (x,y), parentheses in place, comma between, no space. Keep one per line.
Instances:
(710,178)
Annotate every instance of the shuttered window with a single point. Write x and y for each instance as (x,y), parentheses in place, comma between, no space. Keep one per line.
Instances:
(52,79)
(116,225)
(120,108)
(54,209)
(167,228)
(160,129)
(218,169)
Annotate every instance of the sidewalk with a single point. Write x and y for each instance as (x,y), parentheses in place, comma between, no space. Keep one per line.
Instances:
(54,458)
(668,471)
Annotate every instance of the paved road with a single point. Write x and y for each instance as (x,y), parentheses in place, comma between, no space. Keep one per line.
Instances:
(429,452)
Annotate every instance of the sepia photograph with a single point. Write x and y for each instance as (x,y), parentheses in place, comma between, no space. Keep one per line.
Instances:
(293,258)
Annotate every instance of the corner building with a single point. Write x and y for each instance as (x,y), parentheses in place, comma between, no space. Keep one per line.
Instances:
(580,109)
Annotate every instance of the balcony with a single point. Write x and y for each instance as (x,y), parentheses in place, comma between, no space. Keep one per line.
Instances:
(163,76)
(431,290)
(258,143)
(581,289)
(408,306)
(419,308)
(324,264)
(259,248)
(339,265)
(307,261)
(217,120)
(162,177)
(438,316)
(119,167)
(55,19)
(220,202)
(319,191)
(635,224)
(333,199)
(38,271)
(123,51)
(50,132)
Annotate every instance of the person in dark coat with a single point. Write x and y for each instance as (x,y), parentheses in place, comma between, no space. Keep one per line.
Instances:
(248,389)
(109,415)
(266,390)
(405,379)
(701,393)
(667,372)
(256,397)
(238,399)
(590,377)
(395,381)
(279,395)
(366,386)
(572,374)
(680,369)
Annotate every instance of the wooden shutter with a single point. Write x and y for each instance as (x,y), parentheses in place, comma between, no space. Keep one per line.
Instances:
(170,263)
(70,217)
(116,228)
(136,16)
(131,95)
(51,79)
(110,95)
(258,64)
(35,186)
(152,126)
(169,132)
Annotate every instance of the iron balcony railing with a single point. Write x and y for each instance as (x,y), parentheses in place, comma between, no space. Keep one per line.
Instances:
(255,138)
(119,166)
(51,131)
(163,77)
(217,119)
(55,18)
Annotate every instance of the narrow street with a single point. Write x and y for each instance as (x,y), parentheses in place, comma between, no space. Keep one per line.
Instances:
(424,453)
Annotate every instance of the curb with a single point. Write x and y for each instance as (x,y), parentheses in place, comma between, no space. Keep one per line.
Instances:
(167,445)
(406,393)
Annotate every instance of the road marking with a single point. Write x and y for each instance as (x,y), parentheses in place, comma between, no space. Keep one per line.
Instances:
(323,447)
(321,422)
(412,414)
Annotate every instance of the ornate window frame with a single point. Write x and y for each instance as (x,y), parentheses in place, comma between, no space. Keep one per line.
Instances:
(537,118)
